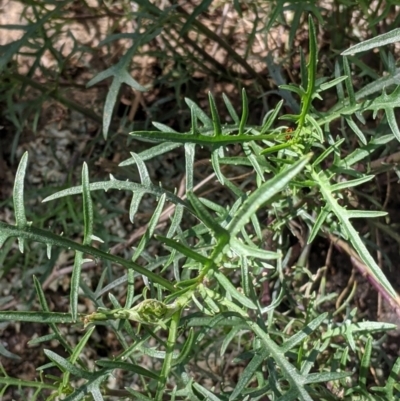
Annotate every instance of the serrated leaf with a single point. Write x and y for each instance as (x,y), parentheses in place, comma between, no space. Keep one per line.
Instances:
(372,268)
(118,185)
(43,236)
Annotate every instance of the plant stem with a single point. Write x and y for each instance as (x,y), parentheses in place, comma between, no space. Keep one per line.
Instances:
(173,332)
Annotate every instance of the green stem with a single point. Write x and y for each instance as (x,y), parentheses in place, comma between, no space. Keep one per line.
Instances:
(166,368)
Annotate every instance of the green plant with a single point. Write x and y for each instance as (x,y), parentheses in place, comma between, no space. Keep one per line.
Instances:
(200,306)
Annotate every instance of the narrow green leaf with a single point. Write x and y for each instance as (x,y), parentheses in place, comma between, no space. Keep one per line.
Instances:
(199,113)
(150,228)
(230,289)
(311,75)
(271,118)
(392,120)
(333,82)
(18,193)
(304,333)
(138,396)
(392,379)
(109,72)
(204,139)
(176,221)
(356,130)
(359,327)
(129,367)
(44,339)
(67,366)
(378,41)
(87,207)
(215,117)
(264,193)
(348,83)
(316,131)
(325,377)
(318,224)
(169,351)
(208,301)
(327,152)
(253,160)
(92,386)
(109,105)
(189,165)
(151,153)
(275,148)
(246,277)
(191,254)
(144,175)
(134,205)
(252,251)
(231,110)
(206,393)
(36,317)
(43,236)
(186,349)
(364,152)
(7,354)
(75,284)
(45,308)
(245,112)
(228,339)
(248,373)
(206,217)
(10,381)
(76,352)
(215,157)
(365,362)
(351,183)
(365,214)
